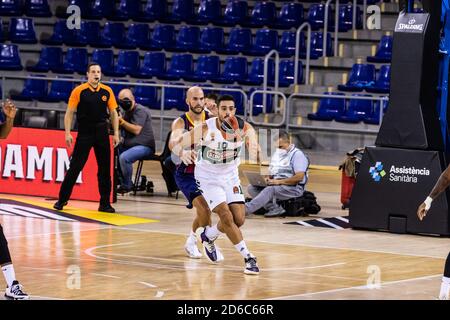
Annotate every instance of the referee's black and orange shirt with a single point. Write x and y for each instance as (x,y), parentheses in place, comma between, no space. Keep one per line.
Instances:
(92,104)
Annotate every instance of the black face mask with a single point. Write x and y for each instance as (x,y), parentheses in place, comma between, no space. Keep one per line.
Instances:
(126,104)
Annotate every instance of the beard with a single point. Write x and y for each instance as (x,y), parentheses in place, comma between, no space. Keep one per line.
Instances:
(196,108)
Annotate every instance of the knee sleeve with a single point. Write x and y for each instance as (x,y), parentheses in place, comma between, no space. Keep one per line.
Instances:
(5,256)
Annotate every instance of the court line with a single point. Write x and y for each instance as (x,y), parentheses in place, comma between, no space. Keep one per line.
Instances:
(297,244)
(45,269)
(56,232)
(353,288)
(46,298)
(148,284)
(105,275)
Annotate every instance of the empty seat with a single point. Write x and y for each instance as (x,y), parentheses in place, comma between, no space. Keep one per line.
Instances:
(361,76)
(239,40)
(50,59)
(147,96)
(61,34)
(291,15)
(258,102)
(287,44)
(286,73)
(37,8)
(181,65)
(163,37)
(127,63)
(265,40)
(83,4)
(211,39)
(100,9)
(33,89)
(329,108)
(235,13)
(89,33)
(117,87)
(174,97)
(21,30)
(76,60)
(59,91)
(374,116)
(316,16)
(137,36)
(357,110)
(383,82)
(346,18)
(238,98)
(234,69)
(113,34)
(154,10)
(10,8)
(256,73)
(182,10)
(208,11)
(9,57)
(105,58)
(127,9)
(207,68)
(35,122)
(384,51)
(263,14)
(317,46)
(187,39)
(153,65)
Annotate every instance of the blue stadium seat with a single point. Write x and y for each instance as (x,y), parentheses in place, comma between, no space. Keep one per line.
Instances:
(100,9)
(316,16)
(207,68)
(21,30)
(357,110)
(209,11)
(59,91)
(239,40)
(127,10)
(234,69)
(76,60)
(291,15)
(235,13)
(263,14)
(182,10)
(10,8)
(89,33)
(84,8)
(211,39)
(116,88)
(258,102)
(50,59)
(187,39)
(287,44)
(127,63)
(286,73)
(383,82)
(181,65)
(317,46)
(147,96)
(9,57)
(105,58)
(61,34)
(384,51)
(113,34)
(374,116)
(265,40)
(37,8)
(175,97)
(256,73)
(154,65)
(361,76)
(163,37)
(238,98)
(154,10)
(346,18)
(137,36)
(33,89)
(2,37)
(329,108)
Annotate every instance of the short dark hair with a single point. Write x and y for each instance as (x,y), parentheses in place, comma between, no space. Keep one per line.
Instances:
(225,97)
(283,134)
(212,96)
(91,64)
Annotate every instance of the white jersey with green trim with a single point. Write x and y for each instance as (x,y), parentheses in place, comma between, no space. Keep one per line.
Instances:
(216,155)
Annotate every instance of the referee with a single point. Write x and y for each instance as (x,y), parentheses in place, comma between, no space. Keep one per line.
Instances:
(91,101)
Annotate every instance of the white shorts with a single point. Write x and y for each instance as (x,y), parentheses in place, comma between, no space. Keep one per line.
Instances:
(220,188)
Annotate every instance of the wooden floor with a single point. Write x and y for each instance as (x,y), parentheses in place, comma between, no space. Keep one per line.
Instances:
(95,260)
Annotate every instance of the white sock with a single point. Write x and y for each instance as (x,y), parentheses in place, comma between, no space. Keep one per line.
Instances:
(242,248)
(192,238)
(10,275)
(445,287)
(212,232)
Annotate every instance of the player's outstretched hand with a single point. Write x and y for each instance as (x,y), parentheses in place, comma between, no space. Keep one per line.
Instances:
(421,212)
(188,157)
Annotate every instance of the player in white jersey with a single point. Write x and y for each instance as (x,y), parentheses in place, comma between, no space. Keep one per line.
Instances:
(220,143)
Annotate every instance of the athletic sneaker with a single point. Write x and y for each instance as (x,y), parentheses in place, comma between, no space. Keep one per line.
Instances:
(251,266)
(209,247)
(192,250)
(15,292)
(444,296)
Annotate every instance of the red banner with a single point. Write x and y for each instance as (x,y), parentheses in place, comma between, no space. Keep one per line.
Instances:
(35,161)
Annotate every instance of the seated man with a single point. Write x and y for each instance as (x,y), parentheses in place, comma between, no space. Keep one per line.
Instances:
(288,176)
(138,139)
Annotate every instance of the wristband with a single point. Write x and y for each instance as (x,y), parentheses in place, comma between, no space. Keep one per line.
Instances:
(427,202)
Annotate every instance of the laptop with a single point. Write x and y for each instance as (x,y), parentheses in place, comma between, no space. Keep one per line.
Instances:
(255,179)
